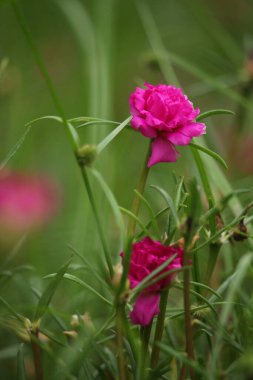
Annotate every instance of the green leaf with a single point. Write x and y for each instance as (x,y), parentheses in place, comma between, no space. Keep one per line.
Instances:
(112,201)
(89,265)
(133,216)
(15,148)
(210,153)
(207,114)
(198,295)
(21,374)
(169,202)
(83,284)
(49,291)
(103,144)
(12,311)
(151,213)
(182,358)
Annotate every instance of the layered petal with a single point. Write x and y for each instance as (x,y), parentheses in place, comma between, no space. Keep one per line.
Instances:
(145,309)
(162,151)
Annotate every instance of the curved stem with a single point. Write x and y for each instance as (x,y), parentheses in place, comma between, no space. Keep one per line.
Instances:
(99,227)
(159,328)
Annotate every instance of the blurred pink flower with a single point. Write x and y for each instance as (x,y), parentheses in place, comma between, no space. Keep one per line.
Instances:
(26,202)
(164,114)
(147,255)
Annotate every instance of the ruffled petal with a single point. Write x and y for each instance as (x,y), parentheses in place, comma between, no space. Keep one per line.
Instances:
(178,138)
(162,151)
(139,123)
(193,129)
(145,309)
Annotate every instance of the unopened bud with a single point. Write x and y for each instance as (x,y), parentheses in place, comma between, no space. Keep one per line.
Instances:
(118,270)
(71,334)
(75,322)
(241,231)
(86,154)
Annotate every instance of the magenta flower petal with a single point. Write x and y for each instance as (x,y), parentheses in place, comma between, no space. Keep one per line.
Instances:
(178,138)
(145,309)
(193,129)
(164,112)
(162,151)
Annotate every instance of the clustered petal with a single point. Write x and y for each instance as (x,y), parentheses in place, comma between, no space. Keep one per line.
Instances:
(147,255)
(164,114)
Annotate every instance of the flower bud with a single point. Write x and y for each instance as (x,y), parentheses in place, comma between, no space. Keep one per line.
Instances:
(86,154)
(240,233)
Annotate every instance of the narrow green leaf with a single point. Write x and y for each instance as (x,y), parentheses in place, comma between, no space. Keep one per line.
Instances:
(49,291)
(21,373)
(151,213)
(210,153)
(109,138)
(15,148)
(199,284)
(129,213)
(198,295)
(83,284)
(181,356)
(169,202)
(12,311)
(113,203)
(207,114)
(178,193)
(89,265)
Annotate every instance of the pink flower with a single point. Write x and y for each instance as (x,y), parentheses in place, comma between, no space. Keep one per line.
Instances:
(26,202)
(164,114)
(147,255)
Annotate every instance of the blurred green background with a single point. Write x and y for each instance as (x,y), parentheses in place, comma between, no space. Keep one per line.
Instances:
(96,52)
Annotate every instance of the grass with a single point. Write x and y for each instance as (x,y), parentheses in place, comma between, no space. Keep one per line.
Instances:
(90,57)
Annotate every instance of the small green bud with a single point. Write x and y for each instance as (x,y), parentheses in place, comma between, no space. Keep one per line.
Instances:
(86,154)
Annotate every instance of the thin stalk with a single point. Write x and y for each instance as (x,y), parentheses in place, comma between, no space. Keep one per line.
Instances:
(132,223)
(146,331)
(206,186)
(71,132)
(214,250)
(187,318)
(159,329)
(120,299)
(99,227)
(37,356)
(122,367)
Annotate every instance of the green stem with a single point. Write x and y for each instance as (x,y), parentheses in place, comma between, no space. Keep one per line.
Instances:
(37,356)
(159,329)
(71,132)
(206,186)
(214,249)
(132,223)
(145,340)
(187,315)
(122,366)
(99,227)
(120,299)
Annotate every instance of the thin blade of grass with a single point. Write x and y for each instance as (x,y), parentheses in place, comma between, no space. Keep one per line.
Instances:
(210,153)
(111,136)
(169,202)
(83,284)
(49,291)
(207,114)
(21,373)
